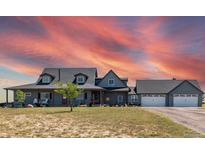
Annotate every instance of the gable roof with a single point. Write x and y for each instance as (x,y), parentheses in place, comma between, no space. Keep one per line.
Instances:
(111,71)
(161,86)
(191,82)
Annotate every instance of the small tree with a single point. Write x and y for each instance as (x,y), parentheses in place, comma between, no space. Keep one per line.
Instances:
(20,96)
(69,91)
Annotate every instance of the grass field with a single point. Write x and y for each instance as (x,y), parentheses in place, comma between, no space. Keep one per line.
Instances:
(88,122)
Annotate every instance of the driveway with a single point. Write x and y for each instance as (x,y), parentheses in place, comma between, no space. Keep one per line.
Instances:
(193,118)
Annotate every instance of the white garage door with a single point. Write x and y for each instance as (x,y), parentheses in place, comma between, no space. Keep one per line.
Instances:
(185,100)
(153,100)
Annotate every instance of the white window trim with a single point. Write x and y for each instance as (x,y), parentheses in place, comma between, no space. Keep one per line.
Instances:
(80,77)
(46,79)
(110,80)
(28,94)
(185,95)
(133,98)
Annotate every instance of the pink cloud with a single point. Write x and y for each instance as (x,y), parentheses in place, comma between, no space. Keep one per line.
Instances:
(88,41)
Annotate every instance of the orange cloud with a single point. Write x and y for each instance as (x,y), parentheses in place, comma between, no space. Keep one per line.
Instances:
(92,42)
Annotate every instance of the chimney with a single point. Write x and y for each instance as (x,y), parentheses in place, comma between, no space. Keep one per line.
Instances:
(59,74)
(174,79)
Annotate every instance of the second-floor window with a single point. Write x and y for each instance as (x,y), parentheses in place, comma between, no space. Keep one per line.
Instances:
(111,82)
(46,79)
(80,79)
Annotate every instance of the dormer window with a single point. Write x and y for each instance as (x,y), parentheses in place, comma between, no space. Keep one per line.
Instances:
(80,79)
(111,82)
(46,79)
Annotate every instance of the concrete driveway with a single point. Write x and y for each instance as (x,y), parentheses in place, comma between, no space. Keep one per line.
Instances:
(193,118)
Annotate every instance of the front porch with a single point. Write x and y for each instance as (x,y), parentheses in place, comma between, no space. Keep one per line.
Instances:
(87,98)
(90,98)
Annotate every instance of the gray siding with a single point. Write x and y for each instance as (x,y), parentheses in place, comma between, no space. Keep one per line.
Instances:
(57,100)
(89,97)
(185,88)
(113,97)
(129,98)
(110,75)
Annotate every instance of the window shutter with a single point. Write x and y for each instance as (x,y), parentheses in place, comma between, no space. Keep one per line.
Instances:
(50,95)
(39,95)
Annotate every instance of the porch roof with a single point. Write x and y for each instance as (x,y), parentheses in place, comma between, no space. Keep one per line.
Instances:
(34,86)
(121,89)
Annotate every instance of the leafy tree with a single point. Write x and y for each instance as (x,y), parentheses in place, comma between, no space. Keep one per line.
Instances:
(20,96)
(69,91)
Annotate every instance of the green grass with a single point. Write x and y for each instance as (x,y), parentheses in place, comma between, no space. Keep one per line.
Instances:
(88,122)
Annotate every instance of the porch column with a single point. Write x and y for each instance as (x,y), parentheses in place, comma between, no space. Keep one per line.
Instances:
(7,97)
(101,98)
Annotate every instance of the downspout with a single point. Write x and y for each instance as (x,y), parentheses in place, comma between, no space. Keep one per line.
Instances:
(59,74)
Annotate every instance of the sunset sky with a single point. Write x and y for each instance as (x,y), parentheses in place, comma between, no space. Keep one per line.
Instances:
(134,47)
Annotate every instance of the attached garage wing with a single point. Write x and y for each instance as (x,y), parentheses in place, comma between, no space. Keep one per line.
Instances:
(153,100)
(185,100)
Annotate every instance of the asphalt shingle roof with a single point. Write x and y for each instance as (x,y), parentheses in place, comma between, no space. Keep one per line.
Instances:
(160,86)
(68,74)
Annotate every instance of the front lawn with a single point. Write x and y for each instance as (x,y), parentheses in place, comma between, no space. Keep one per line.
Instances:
(88,122)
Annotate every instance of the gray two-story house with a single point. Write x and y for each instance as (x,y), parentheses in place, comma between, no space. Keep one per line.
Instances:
(109,90)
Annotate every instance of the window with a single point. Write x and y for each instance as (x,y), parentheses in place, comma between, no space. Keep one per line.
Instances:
(111,82)
(80,79)
(28,94)
(45,95)
(120,99)
(46,79)
(133,98)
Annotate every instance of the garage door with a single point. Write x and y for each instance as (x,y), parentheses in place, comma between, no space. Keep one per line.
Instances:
(185,100)
(153,100)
